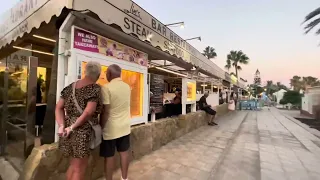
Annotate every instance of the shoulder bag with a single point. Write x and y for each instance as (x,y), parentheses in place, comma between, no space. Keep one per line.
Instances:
(97,131)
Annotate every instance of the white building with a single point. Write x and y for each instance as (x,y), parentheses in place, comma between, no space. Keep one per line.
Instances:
(279,95)
(310,100)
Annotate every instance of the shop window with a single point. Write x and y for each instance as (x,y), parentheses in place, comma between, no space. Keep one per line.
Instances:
(133,79)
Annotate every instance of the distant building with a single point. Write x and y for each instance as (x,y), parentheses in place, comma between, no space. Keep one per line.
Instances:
(279,95)
(310,103)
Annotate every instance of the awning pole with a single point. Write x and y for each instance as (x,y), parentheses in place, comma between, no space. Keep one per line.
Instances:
(62,59)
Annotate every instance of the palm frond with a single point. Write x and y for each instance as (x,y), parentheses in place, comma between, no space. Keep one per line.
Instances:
(311,25)
(209,52)
(312,14)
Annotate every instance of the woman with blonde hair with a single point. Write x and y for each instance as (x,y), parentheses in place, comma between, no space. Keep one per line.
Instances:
(76,114)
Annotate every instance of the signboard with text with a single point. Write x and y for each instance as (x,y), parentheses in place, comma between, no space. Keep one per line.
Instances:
(133,19)
(87,41)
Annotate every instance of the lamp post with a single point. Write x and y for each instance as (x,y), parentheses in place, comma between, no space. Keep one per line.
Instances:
(177,23)
(198,38)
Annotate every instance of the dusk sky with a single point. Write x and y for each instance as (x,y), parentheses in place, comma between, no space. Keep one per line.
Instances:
(268,31)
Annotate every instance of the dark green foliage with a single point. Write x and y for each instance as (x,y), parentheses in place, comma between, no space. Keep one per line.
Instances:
(292,97)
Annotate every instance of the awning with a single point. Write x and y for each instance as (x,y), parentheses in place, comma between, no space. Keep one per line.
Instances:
(132,19)
(27,15)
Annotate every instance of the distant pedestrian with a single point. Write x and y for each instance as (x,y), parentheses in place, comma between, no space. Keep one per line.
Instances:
(116,122)
(231,104)
(75,127)
(207,108)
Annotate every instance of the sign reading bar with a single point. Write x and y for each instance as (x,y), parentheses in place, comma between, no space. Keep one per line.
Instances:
(133,19)
(87,41)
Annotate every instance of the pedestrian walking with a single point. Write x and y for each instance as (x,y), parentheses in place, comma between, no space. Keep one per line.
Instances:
(231,104)
(115,121)
(76,114)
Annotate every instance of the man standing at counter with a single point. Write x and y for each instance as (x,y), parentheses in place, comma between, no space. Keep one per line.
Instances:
(115,121)
(207,108)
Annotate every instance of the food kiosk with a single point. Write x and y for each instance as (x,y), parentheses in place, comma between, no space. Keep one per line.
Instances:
(88,46)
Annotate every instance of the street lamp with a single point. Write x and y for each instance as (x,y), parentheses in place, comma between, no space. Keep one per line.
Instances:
(198,38)
(174,24)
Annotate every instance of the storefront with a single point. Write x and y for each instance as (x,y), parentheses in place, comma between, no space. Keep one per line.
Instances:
(44,45)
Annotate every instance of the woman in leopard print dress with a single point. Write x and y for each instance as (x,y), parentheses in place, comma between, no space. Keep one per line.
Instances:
(74,129)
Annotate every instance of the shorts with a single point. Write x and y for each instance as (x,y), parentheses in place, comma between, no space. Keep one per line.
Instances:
(210,111)
(108,147)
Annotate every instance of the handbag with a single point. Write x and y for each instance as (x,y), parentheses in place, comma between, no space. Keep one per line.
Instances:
(97,131)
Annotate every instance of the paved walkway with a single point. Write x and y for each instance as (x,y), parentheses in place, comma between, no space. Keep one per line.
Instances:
(247,145)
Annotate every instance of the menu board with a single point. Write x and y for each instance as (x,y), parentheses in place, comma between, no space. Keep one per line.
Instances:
(133,79)
(156,92)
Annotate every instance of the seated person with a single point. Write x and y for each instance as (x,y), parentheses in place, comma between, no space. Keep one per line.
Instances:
(207,108)
(177,98)
(174,108)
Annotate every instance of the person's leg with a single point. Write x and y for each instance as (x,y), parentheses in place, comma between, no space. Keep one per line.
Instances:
(124,156)
(212,120)
(123,145)
(79,166)
(207,110)
(109,167)
(213,115)
(69,172)
(107,150)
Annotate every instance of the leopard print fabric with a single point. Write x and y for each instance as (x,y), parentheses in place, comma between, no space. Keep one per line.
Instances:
(77,145)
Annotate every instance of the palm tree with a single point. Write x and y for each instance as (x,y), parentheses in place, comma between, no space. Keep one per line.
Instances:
(235,59)
(295,83)
(269,87)
(313,20)
(228,65)
(309,81)
(209,52)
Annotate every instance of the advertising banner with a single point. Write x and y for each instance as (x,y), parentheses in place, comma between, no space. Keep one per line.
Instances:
(191,91)
(91,42)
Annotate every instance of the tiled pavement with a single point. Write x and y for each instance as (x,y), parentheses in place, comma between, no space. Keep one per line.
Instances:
(247,145)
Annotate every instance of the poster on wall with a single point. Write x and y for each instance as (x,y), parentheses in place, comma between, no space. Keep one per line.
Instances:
(133,79)
(91,42)
(156,92)
(191,91)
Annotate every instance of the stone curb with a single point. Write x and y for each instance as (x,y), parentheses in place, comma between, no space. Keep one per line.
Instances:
(304,126)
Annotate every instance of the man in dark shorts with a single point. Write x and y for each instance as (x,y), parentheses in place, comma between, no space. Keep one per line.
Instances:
(116,122)
(207,108)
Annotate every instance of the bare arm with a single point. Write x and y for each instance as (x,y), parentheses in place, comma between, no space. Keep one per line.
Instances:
(59,112)
(104,115)
(86,115)
(106,106)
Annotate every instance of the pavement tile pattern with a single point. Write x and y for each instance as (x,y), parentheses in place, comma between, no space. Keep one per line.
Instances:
(247,145)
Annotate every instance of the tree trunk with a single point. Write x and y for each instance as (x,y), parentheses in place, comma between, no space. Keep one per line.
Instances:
(236,66)
(48,132)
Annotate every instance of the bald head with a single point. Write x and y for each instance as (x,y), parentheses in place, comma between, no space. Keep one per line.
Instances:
(206,94)
(114,71)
